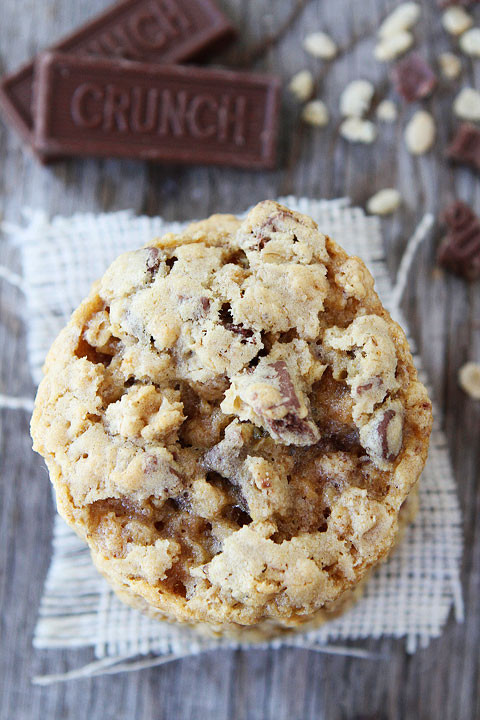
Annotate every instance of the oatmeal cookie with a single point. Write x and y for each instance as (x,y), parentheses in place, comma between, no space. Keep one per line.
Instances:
(232,422)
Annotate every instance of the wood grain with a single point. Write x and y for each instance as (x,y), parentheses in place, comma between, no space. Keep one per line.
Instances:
(441,682)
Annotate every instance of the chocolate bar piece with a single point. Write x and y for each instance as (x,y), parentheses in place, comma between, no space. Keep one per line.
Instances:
(119,108)
(413,77)
(465,146)
(460,250)
(157,31)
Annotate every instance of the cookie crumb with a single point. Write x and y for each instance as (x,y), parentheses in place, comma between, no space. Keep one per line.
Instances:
(470,42)
(354,129)
(456,20)
(404,17)
(420,133)
(315,113)
(450,65)
(301,85)
(393,46)
(356,98)
(469,379)
(320,45)
(467,104)
(387,111)
(384,202)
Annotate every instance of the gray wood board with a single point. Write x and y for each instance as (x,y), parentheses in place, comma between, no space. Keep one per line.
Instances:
(439,682)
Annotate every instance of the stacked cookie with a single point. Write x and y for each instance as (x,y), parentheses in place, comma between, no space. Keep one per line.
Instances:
(234,425)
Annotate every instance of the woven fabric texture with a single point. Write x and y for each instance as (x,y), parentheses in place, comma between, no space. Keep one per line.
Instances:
(410,596)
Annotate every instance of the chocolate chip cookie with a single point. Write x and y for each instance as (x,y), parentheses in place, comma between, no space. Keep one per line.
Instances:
(232,422)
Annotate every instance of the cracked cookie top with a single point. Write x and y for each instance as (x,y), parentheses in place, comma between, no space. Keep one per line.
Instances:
(232,421)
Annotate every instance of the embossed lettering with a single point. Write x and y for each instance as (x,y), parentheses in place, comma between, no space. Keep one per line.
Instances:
(117,102)
(176,19)
(144,113)
(84,107)
(141,26)
(239,126)
(172,113)
(166,112)
(113,42)
(169,12)
(145,30)
(201,124)
(232,117)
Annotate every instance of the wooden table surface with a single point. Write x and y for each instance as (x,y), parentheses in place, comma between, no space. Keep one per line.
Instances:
(438,683)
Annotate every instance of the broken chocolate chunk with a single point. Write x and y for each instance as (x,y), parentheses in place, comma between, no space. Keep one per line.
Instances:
(246,333)
(225,314)
(382,435)
(305,430)
(274,223)
(286,385)
(291,428)
(364,388)
(205,303)
(382,428)
(389,430)
(226,319)
(153,259)
(465,146)
(460,250)
(414,78)
(374,382)
(268,396)
(260,242)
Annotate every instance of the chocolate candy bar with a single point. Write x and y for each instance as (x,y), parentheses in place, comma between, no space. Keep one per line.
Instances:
(119,108)
(160,31)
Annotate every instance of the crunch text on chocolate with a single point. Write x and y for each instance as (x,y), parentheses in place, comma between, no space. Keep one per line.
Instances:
(163,112)
(93,106)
